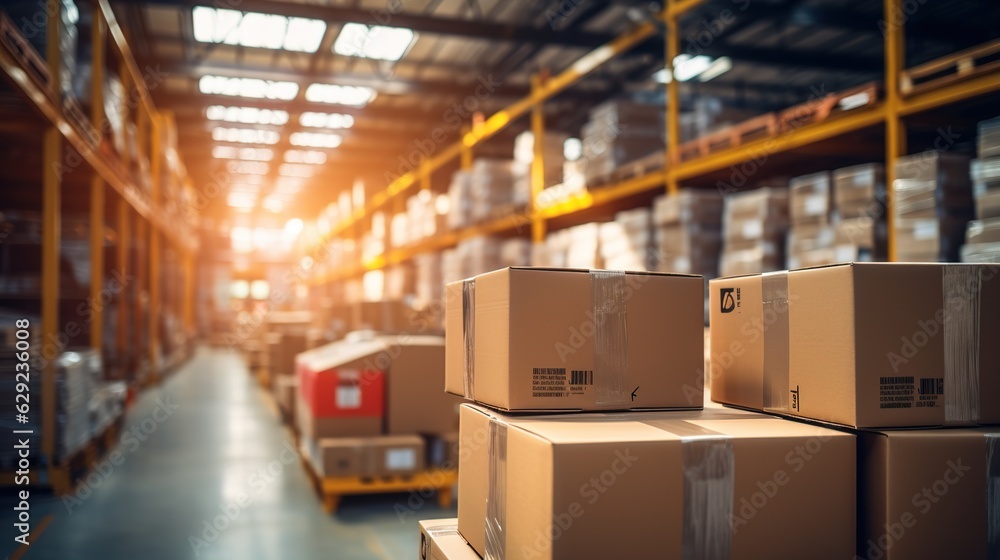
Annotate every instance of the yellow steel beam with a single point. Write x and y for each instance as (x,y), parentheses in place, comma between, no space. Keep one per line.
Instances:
(425,178)
(954,93)
(189,291)
(857,119)
(96,261)
(673,116)
(51,221)
(895,134)
(155,166)
(537,163)
(129,66)
(124,242)
(141,276)
(678,7)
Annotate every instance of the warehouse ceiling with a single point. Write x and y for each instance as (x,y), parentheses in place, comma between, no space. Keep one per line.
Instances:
(361,88)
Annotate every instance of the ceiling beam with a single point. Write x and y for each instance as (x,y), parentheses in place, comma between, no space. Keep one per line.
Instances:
(472,29)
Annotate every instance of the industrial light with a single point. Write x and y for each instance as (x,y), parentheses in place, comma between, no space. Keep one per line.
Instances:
(273,204)
(305,156)
(246,115)
(247,167)
(717,68)
(687,67)
(295,170)
(252,29)
(315,139)
(247,154)
(248,87)
(357,96)
(326,120)
(245,135)
(294,226)
(245,187)
(241,200)
(572,149)
(377,42)
(288,185)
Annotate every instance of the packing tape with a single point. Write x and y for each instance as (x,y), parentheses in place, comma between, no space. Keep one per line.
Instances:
(608,289)
(709,480)
(774,292)
(496,495)
(961,289)
(469,336)
(993,495)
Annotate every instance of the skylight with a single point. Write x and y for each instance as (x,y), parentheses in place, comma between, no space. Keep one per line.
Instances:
(251,29)
(315,139)
(242,200)
(305,156)
(246,115)
(357,96)
(245,135)
(326,120)
(272,203)
(247,167)
(377,42)
(248,154)
(248,87)
(288,185)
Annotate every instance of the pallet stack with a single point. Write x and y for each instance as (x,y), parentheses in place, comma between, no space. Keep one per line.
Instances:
(933,204)
(689,232)
(754,225)
(811,238)
(859,199)
(627,242)
(620,132)
(982,241)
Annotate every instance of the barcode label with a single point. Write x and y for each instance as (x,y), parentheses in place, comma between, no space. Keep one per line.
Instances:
(548,382)
(932,386)
(581,377)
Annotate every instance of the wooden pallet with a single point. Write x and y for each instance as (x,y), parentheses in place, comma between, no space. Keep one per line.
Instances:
(764,126)
(965,64)
(331,489)
(818,110)
(34,65)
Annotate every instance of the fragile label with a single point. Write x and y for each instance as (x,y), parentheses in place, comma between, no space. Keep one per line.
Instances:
(548,382)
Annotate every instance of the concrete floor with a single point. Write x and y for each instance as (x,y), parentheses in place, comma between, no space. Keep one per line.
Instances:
(221,445)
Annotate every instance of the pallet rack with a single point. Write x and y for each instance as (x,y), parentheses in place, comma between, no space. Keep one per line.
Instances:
(810,126)
(150,225)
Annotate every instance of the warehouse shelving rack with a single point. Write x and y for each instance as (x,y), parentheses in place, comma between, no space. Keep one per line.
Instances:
(890,113)
(149,223)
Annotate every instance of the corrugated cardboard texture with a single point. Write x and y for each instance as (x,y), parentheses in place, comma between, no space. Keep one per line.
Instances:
(535,331)
(866,344)
(375,456)
(613,485)
(922,494)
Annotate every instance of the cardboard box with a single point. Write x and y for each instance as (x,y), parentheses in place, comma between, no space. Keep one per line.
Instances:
(921,494)
(442,450)
(868,345)
(810,199)
(440,540)
(719,483)
(285,388)
(567,339)
(373,456)
(395,378)
(312,427)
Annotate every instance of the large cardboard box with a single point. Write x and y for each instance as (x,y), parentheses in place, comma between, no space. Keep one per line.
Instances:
(929,494)
(718,483)
(372,456)
(395,378)
(569,339)
(440,540)
(313,427)
(868,345)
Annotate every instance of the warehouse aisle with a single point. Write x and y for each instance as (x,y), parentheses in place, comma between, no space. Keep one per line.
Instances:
(211,446)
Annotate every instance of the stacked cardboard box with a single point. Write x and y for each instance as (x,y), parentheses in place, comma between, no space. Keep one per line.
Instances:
(905,346)
(427,215)
(859,195)
(460,200)
(812,236)
(933,204)
(982,242)
(477,255)
(754,224)
(491,187)
(515,252)
(362,405)
(429,277)
(618,133)
(524,155)
(563,483)
(689,232)
(627,242)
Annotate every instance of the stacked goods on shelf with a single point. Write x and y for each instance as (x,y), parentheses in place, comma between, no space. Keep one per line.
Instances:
(708,115)
(514,252)
(30,17)
(366,407)
(460,197)
(933,204)
(427,215)
(451,266)
(429,277)
(859,198)
(527,481)
(490,188)
(811,237)
(374,242)
(399,281)
(627,242)
(477,255)
(286,337)
(524,155)
(575,247)
(618,133)
(982,241)
(754,225)
(689,232)
(399,230)
(906,346)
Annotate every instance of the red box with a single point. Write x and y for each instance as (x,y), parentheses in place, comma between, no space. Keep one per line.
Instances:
(341,392)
